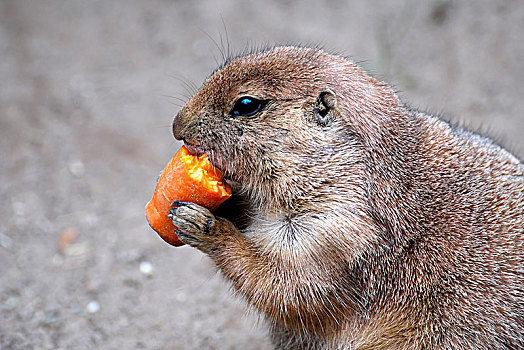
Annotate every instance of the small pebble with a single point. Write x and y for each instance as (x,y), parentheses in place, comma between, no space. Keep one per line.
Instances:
(67,238)
(146,268)
(19,208)
(93,307)
(77,168)
(51,317)
(11,303)
(5,241)
(74,308)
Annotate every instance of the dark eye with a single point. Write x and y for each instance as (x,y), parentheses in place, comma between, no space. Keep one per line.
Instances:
(247,106)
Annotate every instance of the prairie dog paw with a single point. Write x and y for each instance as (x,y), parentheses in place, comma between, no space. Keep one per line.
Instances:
(194,222)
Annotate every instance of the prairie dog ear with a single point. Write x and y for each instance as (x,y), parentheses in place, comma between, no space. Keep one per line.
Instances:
(325,106)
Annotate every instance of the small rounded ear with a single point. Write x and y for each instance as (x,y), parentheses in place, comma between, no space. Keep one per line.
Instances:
(324,108)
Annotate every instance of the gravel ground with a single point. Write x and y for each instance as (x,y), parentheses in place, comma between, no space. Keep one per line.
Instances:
(88,90)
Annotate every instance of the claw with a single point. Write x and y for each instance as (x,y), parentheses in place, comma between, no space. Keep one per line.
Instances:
(193,223)
(188,239)
(207,229)
(179,204)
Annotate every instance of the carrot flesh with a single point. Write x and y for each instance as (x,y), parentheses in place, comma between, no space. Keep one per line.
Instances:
(186,178)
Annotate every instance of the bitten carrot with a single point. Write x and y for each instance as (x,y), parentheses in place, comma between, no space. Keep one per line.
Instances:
(185,178)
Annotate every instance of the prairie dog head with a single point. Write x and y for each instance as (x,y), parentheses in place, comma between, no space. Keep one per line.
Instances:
(283,124)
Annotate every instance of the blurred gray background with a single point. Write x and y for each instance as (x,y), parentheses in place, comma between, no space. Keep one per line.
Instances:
(87,94)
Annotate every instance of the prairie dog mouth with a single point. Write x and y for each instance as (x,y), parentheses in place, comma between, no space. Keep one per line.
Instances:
(198,150)
(195,150)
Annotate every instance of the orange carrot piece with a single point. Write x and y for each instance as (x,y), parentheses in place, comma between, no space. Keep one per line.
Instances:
(185,178)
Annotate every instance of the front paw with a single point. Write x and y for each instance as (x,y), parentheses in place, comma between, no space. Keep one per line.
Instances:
(195,223)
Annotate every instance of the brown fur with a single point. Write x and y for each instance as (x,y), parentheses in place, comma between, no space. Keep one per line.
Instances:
(356,222)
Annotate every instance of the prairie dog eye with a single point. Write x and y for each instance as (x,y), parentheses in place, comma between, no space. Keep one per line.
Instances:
(247,105)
